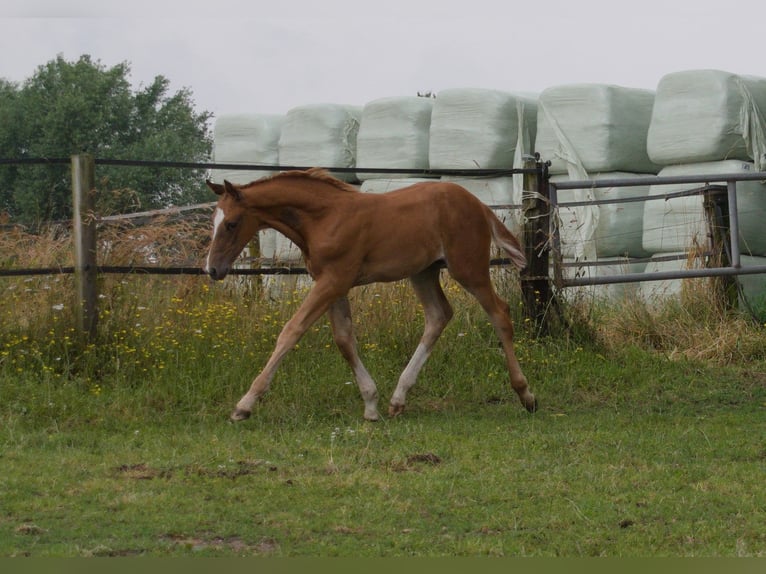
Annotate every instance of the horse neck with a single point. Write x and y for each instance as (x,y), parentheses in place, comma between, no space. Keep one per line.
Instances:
(281,192)
(289,205)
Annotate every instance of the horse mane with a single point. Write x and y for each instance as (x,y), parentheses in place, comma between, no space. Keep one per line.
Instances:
(315,173)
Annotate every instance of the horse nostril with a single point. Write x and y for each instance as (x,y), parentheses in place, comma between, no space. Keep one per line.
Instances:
(216,274)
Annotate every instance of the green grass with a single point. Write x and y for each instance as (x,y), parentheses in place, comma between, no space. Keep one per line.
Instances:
(482,482)
(124,448)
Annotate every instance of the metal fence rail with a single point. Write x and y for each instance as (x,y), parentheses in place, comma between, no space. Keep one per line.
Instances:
(731,248)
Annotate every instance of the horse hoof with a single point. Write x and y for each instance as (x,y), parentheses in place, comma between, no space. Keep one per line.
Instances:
(240,415)
(530,403)
(395,410)
(372,417)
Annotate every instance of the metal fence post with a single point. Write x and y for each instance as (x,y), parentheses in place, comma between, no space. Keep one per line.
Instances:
(84,234)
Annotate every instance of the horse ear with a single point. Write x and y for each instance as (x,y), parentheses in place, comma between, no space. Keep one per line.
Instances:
(217,188)
(231,190)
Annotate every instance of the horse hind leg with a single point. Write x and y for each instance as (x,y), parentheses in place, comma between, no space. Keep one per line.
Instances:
(480,287)
(438,313)
(339,314)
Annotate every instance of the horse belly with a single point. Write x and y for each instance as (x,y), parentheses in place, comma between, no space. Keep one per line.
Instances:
(397,258)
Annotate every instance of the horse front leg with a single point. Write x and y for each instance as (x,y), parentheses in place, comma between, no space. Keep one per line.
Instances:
(313,307)
(340,320)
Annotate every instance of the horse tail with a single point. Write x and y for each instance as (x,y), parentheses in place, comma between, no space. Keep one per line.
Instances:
(505,239)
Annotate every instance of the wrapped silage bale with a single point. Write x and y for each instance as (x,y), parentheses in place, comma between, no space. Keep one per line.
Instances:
(589,128)
(678,223)
(245,139)
(473,128)
(499,193)
(617,231)
(277,249)
(659,291)
(320,135)
(604,267)
(708,115)
(394,134)
(753,287)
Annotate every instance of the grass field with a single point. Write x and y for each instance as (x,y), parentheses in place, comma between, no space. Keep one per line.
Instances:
(650,439)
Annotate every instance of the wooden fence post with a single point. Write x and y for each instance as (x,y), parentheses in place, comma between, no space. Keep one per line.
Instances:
(84,234)
(716,205)
(537,295)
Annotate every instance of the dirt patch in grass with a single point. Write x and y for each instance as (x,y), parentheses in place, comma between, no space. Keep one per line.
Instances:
(266,546)
(142,471)
(414,462)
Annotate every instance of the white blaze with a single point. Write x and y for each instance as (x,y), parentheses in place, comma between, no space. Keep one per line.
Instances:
(217,220)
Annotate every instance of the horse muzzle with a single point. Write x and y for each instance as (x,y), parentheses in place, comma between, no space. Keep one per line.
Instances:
(216,273)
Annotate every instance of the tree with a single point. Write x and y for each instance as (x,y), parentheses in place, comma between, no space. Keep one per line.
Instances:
(75,107)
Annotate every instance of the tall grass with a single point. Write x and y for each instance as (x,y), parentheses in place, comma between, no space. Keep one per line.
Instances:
(214,337)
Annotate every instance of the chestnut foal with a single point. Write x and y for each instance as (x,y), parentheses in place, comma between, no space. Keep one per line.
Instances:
(350,238)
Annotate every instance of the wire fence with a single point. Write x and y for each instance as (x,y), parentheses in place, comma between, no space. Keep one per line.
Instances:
(275,269)
(272,267)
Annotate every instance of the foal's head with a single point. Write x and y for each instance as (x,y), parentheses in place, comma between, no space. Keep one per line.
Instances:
(233,227)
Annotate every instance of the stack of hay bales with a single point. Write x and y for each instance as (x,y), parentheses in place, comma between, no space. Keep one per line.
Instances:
(245,139)
(596,127)
(321,135)
(595,131)
(475,128)
(393,134)
(708,115)
(704,122)
(484,129)
(698,122)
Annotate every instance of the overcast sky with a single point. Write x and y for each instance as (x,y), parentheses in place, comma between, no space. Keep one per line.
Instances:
(269,56)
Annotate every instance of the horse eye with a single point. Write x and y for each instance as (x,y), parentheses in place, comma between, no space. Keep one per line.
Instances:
(231,225)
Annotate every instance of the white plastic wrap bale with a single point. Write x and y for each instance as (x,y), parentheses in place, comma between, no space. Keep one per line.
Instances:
(246,139)
(394,134)
(708,115)
(386,185)
(753,287)
(679,223)
(268,244)
(281,286)
(496,192)
(474,128)
(618,229)
(607,266)
(659,291)
(276,249)
(321,135)
(594,128)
